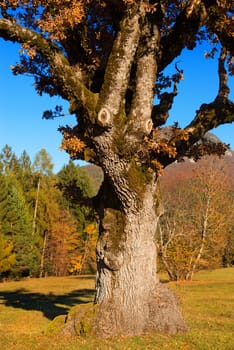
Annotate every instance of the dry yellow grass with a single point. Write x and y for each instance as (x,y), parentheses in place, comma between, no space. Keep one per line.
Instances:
(27,307)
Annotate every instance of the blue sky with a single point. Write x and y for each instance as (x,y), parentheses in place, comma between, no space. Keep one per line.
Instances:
(21,109)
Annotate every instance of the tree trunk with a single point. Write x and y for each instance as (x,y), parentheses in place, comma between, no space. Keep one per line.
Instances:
(36,206)
(43,254)
(129,298)
(195,262)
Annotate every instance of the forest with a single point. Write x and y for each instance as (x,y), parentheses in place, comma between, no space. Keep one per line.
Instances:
(48,226)
(43,231)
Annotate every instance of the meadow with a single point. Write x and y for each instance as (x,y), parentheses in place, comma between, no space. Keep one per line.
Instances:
(28,306)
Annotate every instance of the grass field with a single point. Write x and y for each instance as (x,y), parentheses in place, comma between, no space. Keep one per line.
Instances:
(27,307)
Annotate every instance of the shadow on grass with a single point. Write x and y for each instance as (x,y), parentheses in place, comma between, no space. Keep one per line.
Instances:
(50,305)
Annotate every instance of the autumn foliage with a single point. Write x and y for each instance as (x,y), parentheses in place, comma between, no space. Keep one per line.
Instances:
(196,228)
(42,231)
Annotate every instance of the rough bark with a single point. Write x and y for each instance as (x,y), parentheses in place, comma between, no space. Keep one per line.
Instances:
(128,290)
(129,298)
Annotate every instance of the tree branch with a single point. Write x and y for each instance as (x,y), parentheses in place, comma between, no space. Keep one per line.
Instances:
(221,23)
(223,77)
(188,22)
(63,76)
(160,112)
(227,40)
(140,114)
(220,111)
(120,62)
(210,116)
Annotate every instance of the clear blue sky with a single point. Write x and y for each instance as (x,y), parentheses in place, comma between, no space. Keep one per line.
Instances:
(21,109)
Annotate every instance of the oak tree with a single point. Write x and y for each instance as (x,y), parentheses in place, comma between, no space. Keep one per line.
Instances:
(107,58)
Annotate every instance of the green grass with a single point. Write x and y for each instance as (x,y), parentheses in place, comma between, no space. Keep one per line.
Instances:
(27,307)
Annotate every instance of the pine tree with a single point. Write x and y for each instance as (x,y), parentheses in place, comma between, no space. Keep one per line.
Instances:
(25,176)
(10,163)
(77,190)
(16,228)
(6,157)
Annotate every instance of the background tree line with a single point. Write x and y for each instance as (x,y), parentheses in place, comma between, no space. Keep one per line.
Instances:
(44,228)
(48,228)
(196,230)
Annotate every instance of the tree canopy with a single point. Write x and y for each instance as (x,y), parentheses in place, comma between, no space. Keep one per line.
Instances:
(74,49)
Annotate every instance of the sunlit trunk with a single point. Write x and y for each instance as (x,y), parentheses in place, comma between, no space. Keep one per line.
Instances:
(36,206)
(203,242)
(43,254)
(130,297)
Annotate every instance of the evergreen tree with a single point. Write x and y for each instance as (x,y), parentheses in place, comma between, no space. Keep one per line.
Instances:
(16,228)
(25,163)
(77,190)
(10,162)
(6,158)
(14,166)
(3,197)
(7,257)
(72,180)
(25,177)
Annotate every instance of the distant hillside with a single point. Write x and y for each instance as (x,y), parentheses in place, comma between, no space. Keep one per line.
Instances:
(184,170)
(179,172)
(95,174)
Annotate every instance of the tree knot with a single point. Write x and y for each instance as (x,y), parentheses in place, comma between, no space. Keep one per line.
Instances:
(104,118)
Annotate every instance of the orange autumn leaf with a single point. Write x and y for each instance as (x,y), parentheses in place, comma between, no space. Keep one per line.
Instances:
(72,144)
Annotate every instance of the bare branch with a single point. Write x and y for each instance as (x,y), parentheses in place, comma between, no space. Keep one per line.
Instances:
(210,116)
(188,22)
(220,111)
(160,112)
(216,113)
(223,77)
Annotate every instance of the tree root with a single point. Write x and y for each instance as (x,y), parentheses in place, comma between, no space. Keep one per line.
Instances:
(105,320)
